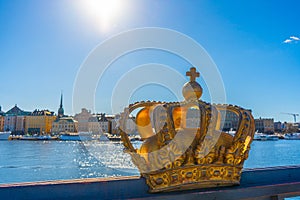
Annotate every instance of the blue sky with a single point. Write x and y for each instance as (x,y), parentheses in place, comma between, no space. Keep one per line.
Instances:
(44,43)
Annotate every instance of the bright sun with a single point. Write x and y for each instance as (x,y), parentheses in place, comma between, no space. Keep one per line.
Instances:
(104,12)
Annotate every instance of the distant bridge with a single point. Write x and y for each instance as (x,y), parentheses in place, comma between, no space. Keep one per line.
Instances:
(266,183)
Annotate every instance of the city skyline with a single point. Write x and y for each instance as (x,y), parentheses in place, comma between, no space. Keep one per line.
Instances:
(255,46)
(56,113)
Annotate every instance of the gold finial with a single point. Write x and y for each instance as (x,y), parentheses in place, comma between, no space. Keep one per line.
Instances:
(192,74)
(192,89)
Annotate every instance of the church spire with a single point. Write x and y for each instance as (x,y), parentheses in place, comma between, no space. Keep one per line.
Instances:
(60,112)
(61,100)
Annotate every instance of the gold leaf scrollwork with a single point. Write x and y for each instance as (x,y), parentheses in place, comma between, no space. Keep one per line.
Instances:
(171,156)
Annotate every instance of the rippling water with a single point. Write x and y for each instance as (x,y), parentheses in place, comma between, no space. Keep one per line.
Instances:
(24,161)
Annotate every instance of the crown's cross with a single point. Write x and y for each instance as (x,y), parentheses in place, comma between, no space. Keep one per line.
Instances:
(192,74)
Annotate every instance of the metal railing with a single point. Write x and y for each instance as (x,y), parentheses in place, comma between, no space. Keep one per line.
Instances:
(259,184)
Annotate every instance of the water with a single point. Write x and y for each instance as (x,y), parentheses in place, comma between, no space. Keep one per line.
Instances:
(273,153)
(25,161)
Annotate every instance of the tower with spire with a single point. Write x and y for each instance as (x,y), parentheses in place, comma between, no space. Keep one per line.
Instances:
(60,112)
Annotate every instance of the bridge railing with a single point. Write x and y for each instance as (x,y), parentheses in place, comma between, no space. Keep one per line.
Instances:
(259,184)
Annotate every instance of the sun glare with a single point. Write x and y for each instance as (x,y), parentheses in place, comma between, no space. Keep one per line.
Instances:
(104,13)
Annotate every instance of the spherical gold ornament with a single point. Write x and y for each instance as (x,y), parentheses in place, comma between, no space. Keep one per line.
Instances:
(192,90)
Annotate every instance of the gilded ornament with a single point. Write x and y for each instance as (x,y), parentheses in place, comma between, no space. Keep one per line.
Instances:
(183,145)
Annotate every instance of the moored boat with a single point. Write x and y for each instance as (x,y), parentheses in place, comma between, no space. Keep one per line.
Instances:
(47,137)
(280,136)
(14,137)
(272,137)
(292,136)
(5,135)
(28,137)
(115,138)
(265,137)
(81,136)
(34,137)
(260,137)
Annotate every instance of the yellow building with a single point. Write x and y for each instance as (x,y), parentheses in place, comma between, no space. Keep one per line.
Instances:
(39,122)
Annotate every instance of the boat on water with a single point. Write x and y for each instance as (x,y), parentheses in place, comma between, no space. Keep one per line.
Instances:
(280,136)
(292,136)
(116,138)
(28,137)
(260,137)
(47,137)
(272,137)
(37,137)
(81,136)
(265,137)
(5,135)
(14,137)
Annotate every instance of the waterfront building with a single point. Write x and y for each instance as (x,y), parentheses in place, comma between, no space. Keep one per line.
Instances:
(114,123)
(99,124)
(39,122)
(289,127)
(83,120)
(94,125)
(1,120)
(104,124)
(264,125)
(64,124)
(20,124)
(1,123)
(298,125)
(14,120)
(9,123)
(278,127)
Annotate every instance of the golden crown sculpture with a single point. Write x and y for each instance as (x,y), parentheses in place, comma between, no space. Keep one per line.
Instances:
(183,146)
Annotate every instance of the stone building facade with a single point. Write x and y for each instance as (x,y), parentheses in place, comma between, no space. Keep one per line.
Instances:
(83,120)
(264,125)
(65,124)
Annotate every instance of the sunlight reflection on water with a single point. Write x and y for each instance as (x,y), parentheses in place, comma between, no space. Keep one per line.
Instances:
(23,161)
